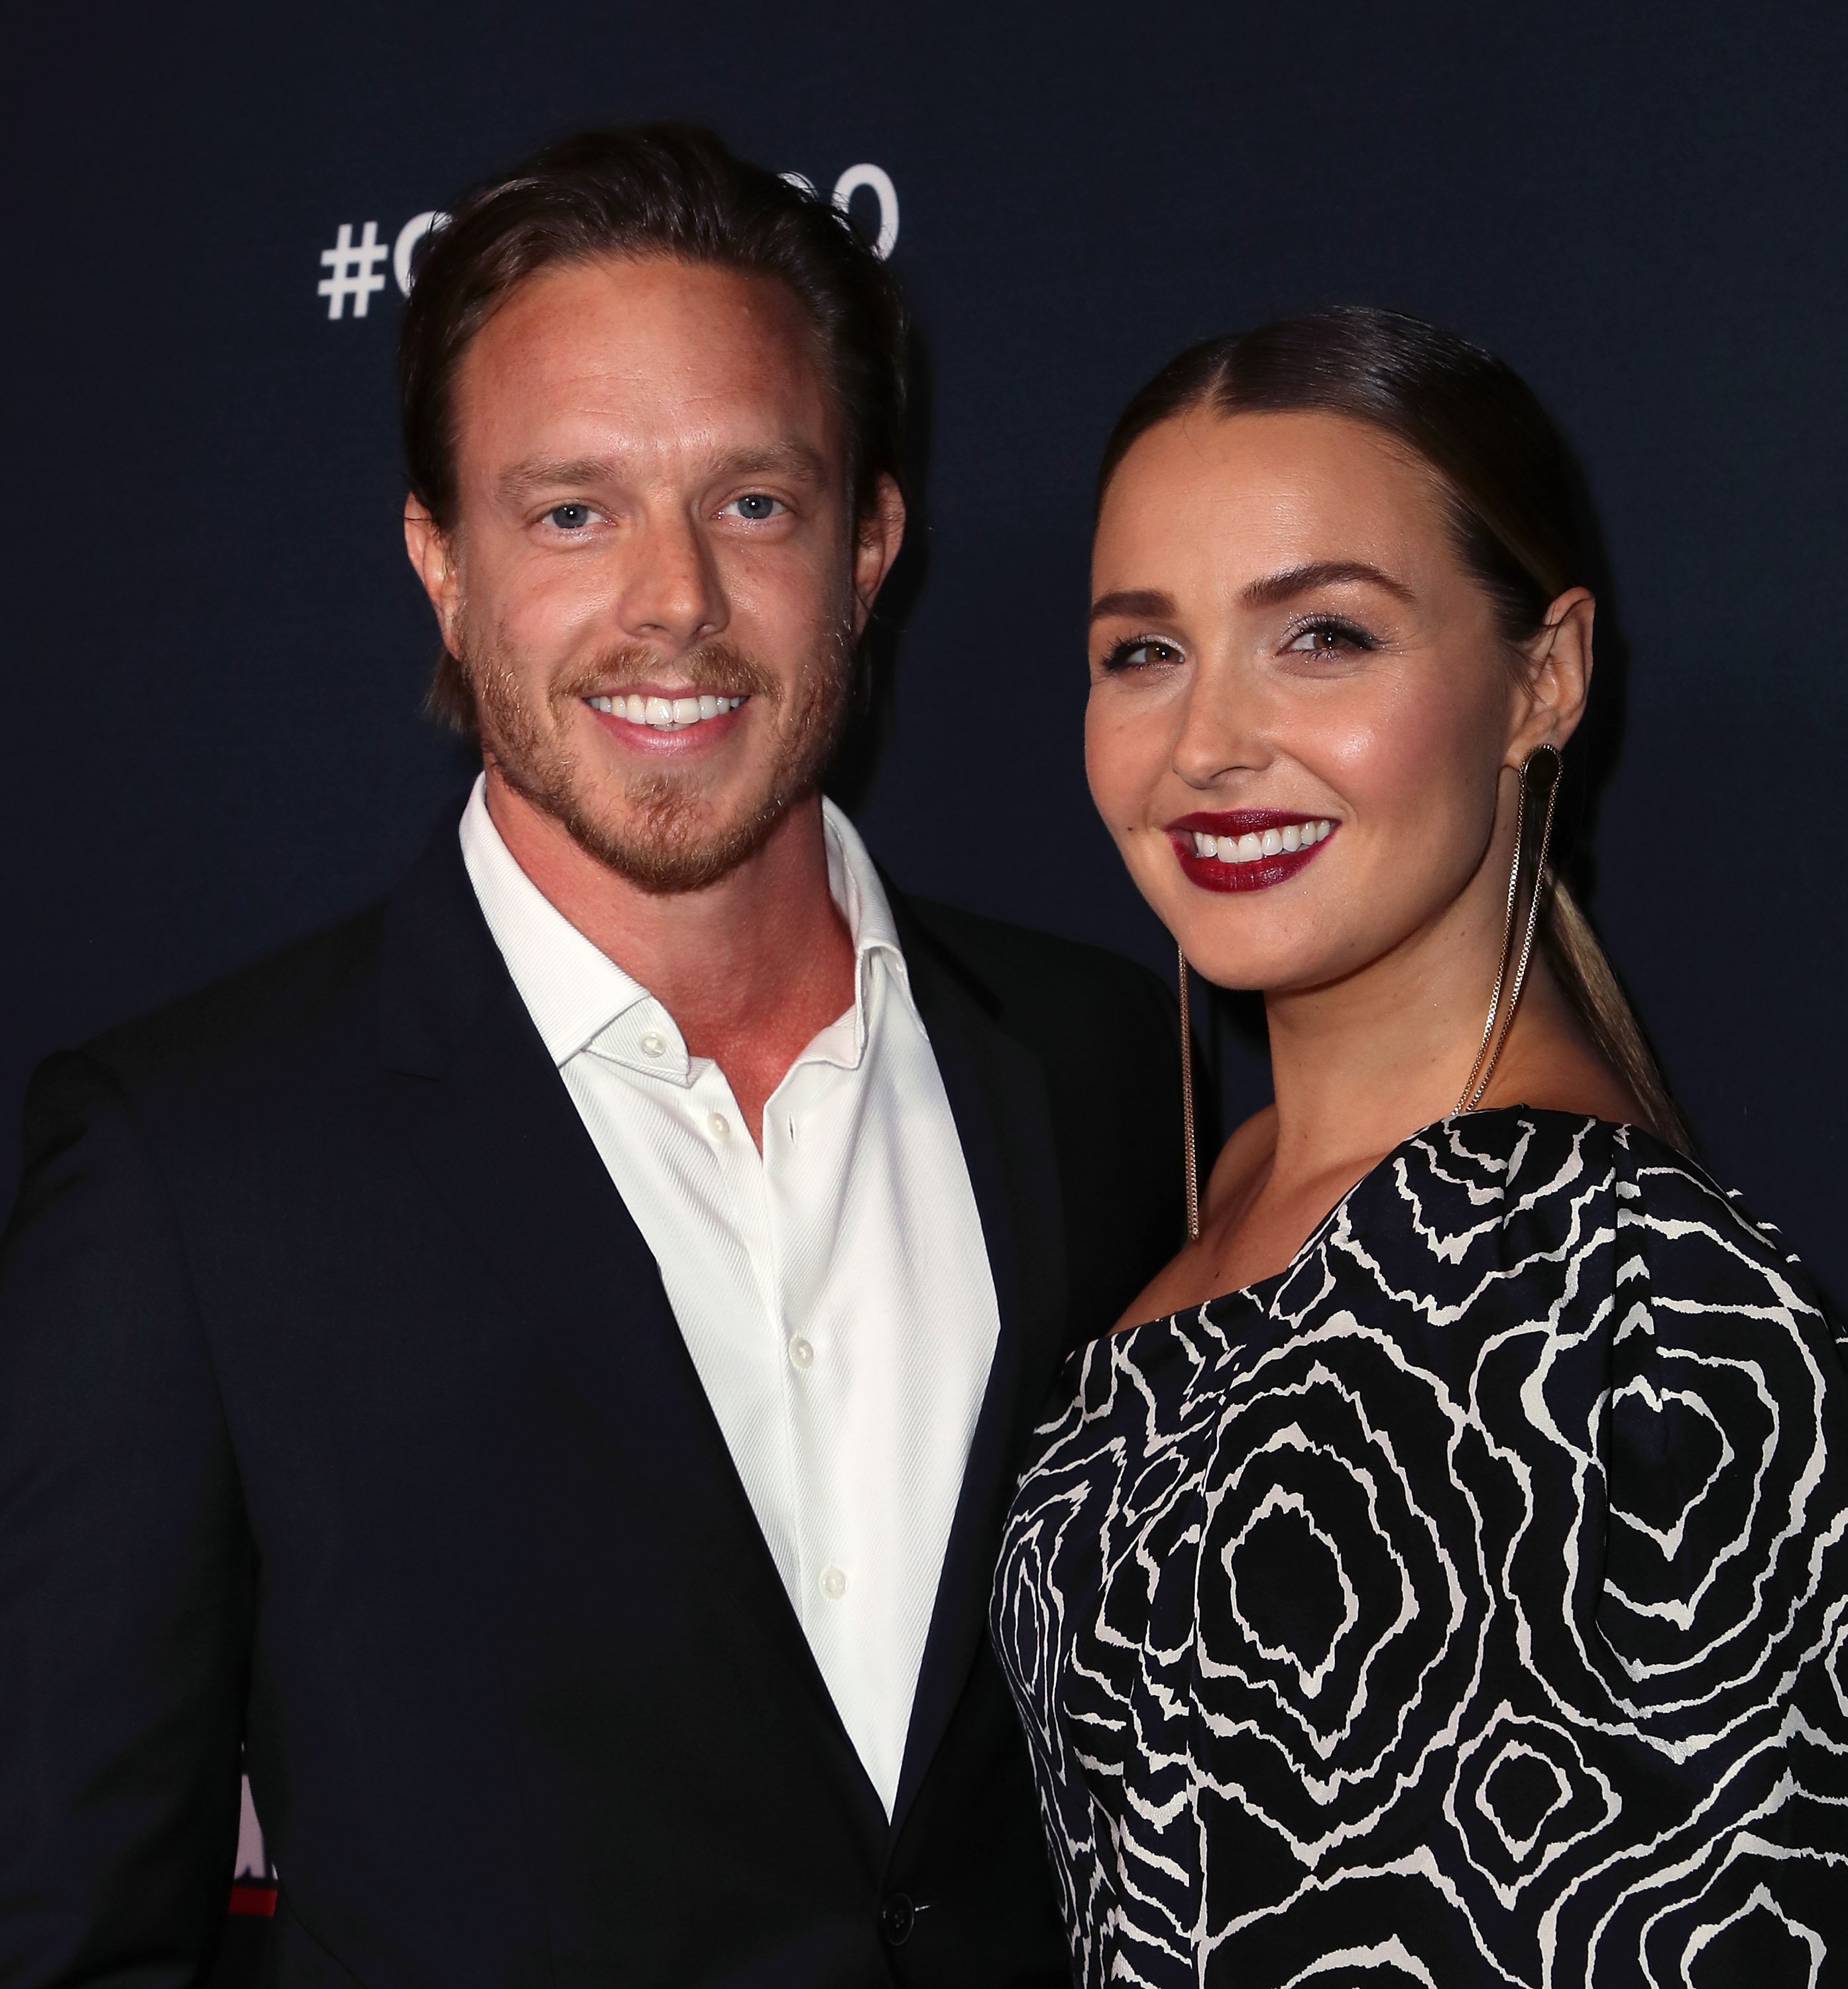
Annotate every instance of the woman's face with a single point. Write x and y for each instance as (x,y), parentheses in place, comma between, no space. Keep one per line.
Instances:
(1301,706)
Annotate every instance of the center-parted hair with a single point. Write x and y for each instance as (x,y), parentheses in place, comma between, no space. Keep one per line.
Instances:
(1505,475)
(671,191)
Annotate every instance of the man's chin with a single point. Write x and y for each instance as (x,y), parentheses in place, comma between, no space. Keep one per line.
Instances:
(686,848)
(666,829)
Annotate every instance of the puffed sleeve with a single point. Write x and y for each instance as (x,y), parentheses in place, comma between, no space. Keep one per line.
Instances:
(1723,1607)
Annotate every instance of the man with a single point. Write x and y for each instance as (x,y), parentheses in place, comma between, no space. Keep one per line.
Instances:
(542,1367)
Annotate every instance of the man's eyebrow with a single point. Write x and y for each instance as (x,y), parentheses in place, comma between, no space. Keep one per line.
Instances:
(1139,604)
(782,459)
(548,473)
(789,458)
(1285,586)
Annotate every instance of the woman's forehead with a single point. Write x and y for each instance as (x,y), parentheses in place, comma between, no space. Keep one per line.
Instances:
(1259,489)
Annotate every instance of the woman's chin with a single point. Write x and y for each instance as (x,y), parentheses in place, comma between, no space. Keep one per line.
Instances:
(1236,944)
(1240,970)
(1304,968)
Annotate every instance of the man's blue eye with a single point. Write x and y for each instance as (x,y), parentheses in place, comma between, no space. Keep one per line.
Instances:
(569,517)
(755,506)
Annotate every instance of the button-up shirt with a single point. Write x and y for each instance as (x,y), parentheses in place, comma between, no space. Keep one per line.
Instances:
(834,1290)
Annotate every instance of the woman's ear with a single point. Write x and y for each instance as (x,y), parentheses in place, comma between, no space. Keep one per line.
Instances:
(1557,679)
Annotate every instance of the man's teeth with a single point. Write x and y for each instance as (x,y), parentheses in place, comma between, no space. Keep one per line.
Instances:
(665,714)
(1272,842)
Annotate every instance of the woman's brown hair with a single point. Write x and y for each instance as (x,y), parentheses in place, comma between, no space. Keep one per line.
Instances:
(1506,473)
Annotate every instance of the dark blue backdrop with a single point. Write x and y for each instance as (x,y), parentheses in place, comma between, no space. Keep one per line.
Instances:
(216,650)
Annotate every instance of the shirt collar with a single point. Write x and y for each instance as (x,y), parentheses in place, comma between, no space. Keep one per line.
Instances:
(579,998)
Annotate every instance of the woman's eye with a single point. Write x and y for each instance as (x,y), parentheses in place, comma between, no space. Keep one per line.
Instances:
(1143,652)
(569,517)
(754,506)
(1329,638)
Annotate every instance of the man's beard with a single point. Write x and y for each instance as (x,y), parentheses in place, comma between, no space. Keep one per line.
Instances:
(662,832)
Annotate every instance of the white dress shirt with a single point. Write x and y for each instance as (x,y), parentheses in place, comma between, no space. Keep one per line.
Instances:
(833,1291)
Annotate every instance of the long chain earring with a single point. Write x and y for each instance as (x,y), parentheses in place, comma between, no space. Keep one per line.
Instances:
(1190,1138)
(1538,791)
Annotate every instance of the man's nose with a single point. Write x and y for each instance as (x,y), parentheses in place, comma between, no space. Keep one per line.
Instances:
(672,594)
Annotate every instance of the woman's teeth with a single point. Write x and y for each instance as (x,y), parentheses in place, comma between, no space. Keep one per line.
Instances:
(665,714)
(1272,842)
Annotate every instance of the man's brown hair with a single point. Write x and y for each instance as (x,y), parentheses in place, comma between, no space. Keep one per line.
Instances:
(667,190)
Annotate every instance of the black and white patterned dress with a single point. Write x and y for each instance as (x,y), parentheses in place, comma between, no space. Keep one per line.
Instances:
(1468,1604)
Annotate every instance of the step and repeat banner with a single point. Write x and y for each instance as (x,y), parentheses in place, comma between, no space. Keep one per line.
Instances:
(217,652)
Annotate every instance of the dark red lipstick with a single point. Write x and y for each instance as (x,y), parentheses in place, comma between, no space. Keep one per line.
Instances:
(1247,850)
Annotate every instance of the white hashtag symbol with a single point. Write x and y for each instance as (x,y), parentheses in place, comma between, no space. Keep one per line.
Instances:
(355,270)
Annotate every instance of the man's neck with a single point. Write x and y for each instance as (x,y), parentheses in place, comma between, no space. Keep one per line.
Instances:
(750,967)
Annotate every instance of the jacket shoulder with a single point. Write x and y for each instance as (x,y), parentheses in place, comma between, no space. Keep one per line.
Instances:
(275,1002)
(1032,979)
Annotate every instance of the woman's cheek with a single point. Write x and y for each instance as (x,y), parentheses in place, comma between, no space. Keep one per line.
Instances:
(1122,762)
(1380,775)
(1403,758)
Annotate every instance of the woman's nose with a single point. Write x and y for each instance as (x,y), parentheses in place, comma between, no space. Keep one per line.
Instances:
(1222,731)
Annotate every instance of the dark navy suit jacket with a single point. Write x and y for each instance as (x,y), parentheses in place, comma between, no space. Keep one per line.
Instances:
(343,1419)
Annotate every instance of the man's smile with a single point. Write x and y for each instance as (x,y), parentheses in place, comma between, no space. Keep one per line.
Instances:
(665,714)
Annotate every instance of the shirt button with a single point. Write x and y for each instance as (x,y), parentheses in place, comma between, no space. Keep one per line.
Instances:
(653,1043)
(719,1126)
(800,1354)
(834,1583)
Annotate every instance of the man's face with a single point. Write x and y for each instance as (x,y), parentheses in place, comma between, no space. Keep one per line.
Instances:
(654,582)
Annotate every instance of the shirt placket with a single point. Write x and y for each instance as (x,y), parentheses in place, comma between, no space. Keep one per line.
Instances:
(808,1361)
(744,1172)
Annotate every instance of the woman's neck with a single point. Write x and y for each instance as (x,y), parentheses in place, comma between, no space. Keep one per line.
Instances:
(1358,1067)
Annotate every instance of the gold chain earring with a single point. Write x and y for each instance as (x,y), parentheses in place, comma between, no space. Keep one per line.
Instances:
(1189,1137)
(1539,789)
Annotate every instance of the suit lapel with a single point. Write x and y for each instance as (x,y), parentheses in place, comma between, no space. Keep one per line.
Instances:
(497,1136)
(997,1095)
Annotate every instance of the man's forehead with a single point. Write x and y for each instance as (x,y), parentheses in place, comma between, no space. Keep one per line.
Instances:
(641,344)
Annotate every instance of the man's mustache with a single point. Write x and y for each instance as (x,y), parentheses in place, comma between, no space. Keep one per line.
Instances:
(715,667)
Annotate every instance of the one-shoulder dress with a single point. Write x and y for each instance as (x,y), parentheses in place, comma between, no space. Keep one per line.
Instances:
(1466,1604)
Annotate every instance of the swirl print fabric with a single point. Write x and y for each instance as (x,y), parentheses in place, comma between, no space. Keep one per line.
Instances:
(1466,1604)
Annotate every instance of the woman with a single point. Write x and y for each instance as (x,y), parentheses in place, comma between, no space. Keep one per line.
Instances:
(1442,1576)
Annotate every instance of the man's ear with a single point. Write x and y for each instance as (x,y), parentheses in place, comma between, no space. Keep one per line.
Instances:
(1557,680)
(876,542)
(432,552)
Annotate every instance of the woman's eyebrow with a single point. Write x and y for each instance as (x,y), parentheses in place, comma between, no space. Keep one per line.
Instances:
(1138,603)
(1295,580)
(1149,603)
